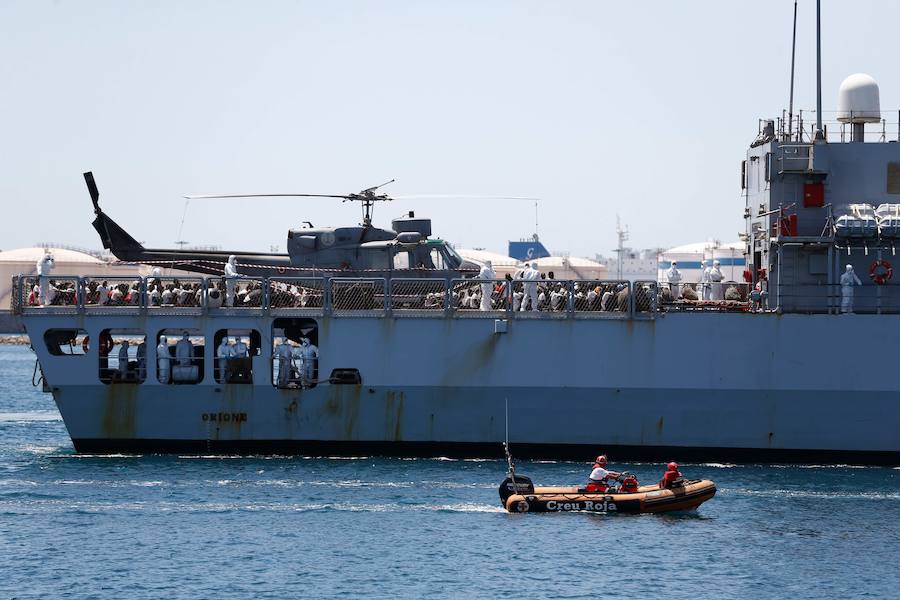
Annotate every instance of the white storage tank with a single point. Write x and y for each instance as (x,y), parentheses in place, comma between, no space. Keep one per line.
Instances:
(690,256)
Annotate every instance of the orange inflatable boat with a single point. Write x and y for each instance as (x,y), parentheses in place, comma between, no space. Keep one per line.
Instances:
(519,495)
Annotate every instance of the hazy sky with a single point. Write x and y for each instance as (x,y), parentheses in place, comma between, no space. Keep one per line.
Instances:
(639,108)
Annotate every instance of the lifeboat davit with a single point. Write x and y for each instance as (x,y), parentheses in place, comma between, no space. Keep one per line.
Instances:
(519,495)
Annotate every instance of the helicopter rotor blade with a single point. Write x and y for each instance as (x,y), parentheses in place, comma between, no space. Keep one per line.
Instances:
(92,190)
(372,189)
(208,196)
(461,197)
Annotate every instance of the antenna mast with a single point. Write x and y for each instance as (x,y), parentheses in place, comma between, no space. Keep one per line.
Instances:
(793,56)
(622,234)
(820,133)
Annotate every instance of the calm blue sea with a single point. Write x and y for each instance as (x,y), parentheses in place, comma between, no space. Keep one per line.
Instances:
(275,527)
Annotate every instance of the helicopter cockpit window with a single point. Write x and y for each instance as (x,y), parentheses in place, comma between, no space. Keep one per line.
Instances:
(401,260)
(454,260)
(437,257)
(379,259)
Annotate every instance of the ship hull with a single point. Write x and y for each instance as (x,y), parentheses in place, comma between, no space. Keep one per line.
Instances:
(687,386)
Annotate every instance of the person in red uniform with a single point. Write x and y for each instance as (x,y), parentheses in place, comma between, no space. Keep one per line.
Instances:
(672,473)
(599,477)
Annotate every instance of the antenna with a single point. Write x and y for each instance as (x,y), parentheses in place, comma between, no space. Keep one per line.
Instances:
(506,417)
(181,243)
(793,56)
(509,459)
(622,234)
(820,134)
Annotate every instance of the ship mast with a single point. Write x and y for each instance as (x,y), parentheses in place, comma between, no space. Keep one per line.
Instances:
(820,133)
(622,234)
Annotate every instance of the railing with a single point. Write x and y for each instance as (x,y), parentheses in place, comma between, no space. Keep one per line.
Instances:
(296,294)
(433,298)
(418,297)
(359,297)
(803,127)
(716,296)
(62,294)
(831,299)
(237,294)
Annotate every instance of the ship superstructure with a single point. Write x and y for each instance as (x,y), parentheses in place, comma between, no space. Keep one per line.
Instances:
(817,201)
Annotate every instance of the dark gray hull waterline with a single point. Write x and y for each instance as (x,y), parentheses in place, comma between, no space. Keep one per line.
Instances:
(715,387)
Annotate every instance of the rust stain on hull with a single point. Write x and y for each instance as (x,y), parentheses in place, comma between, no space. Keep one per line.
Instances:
(120,407)
(343,403)
(394,404)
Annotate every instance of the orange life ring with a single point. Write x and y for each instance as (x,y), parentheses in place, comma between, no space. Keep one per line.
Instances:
(106,343)
(881,271)
(280,270)
(86,344)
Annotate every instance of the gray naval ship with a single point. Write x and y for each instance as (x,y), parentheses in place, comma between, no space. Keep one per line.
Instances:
(363,341)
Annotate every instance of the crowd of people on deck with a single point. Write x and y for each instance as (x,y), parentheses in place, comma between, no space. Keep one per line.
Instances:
(528,289)
(711,289)
(228,291)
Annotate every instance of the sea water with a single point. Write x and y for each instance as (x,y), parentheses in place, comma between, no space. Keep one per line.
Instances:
(273,527)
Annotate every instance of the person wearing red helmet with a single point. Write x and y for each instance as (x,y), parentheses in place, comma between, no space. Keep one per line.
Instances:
(672,474)
(599,477)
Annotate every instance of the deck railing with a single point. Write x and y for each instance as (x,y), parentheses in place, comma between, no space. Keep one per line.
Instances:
(422,297)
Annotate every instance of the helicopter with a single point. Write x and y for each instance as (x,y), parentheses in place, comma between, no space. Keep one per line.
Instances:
(406,250)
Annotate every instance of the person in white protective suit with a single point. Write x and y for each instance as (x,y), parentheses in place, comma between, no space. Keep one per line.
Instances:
(298,362)
(44,266)
(848,280)
(123,359)
(163,360)
(717,290)
(239,350)
(310,355)
(283,355)
(487,287)
(184,351)
(673,276)
(223,353)
(152,295)
(103,293)
(231,274)
(704,287)
(531,275)
(154,279)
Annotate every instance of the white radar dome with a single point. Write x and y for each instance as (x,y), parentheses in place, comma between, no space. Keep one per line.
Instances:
(858,100)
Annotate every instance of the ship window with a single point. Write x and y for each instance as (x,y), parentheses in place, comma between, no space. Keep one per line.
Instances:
(179,357)
(67,342)
(297,366)
(236,351)
(122,356)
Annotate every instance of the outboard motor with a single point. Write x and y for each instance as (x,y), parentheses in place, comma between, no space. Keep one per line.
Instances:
(522,485)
